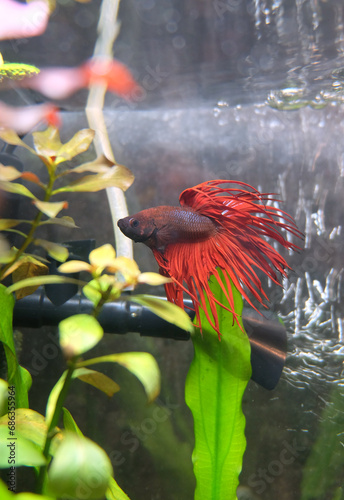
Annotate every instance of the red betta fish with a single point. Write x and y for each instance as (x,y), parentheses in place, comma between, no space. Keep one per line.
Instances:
(215,228)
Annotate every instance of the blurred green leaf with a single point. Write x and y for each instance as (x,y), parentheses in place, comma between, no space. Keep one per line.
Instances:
(50,208)
(99,165)
(64,221)
(17,71)
(114,492)
(78,334)
(32,426)
(56,251)
(214,389)
(11,137)
(69,422)
(41,280)
(13,187)
(20,449)
(18,376)
(24,268)
(116,176)
(165,310)
(80,469)
(3,397)
(98,380)
(48,144)
(9,173)
(8,223)
(141,364)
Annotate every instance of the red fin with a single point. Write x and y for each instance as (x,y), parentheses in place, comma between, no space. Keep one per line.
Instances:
(239,247)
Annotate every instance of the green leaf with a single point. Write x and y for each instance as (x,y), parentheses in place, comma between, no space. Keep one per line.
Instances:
(114,492)
(98,380)
(19,449)
(18,376)
(89,376)
(8,223)
(14,187)
(116,176)
(99,165)
(9,173)
(69,422)
(32,426)
(50,208)
(165,310)
(56,251)
(41,280)
(11,137)
(214,389)
(78,334)
(141,364)
(5,494)
(80,469)
(48,144)
(64,221)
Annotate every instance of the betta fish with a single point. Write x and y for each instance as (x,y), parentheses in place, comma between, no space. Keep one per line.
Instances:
(215,228)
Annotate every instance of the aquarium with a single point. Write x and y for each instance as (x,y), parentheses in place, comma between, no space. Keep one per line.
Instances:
(243,90)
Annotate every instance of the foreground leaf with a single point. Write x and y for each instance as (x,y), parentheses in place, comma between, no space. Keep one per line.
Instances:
(56,251)
(165,310)
(80,469)
(18,376)
(26,267)
(48,144)
(141,364)
(11,137)
(21,450)
(14,187)
(214,389)
(41,280)
(78,334)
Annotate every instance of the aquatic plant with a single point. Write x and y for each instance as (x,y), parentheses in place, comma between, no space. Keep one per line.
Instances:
(38,438)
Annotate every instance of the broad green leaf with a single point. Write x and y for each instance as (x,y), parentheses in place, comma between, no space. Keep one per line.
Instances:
(69,422)
(114,492)
(105,284)
(165,310)
(214,389)
(50,208)
(56,251)
(17,450)
(78,334)
(64,221)
(13,187)
(80,469)
(99,165)
(18,376)
(25,268)
(11,137)
(117,176)
(32,426)
(41,280)
(141,364)
(5,494)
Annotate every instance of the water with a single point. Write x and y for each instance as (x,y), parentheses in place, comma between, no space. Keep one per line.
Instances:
(246,90)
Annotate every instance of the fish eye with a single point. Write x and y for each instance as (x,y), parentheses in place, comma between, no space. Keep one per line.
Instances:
(134,222)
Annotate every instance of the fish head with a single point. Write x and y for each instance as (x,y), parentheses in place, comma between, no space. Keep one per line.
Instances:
(138,227)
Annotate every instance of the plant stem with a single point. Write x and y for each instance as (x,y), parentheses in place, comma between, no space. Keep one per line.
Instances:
(54,421)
